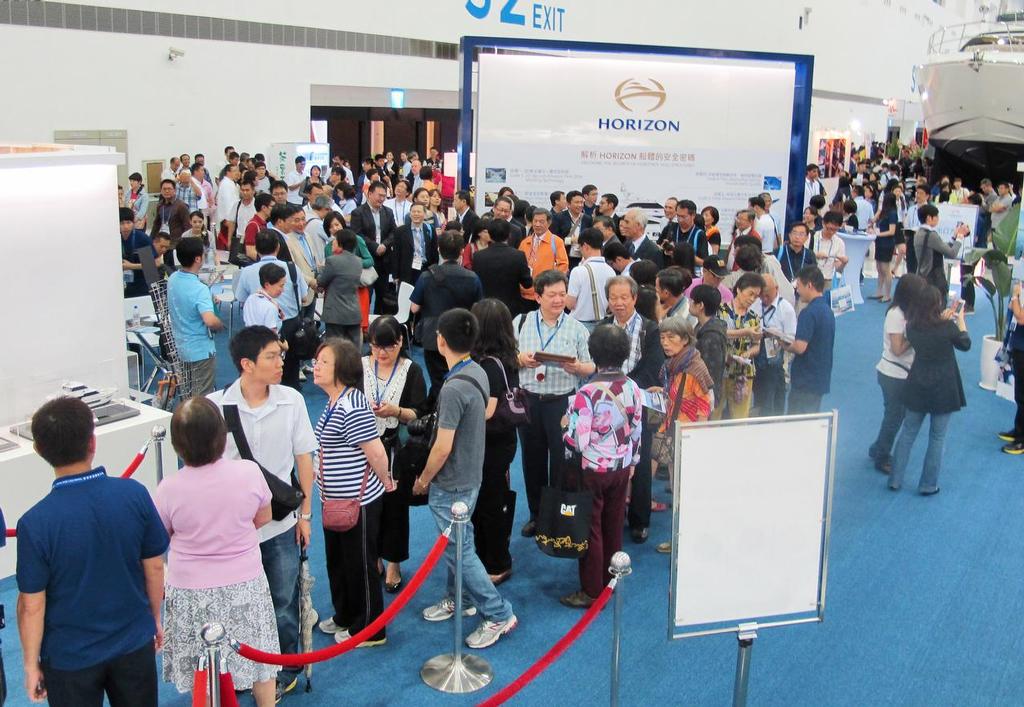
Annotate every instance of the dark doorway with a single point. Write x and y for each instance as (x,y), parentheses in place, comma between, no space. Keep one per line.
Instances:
(349,129)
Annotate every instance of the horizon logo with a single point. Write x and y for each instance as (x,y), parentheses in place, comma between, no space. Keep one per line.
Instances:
(569,510)
(641,125)
(632,91)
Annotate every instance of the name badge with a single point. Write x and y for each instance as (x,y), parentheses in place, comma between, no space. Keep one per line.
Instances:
(541,373)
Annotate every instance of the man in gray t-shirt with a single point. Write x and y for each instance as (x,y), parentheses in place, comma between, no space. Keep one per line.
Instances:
(455,466)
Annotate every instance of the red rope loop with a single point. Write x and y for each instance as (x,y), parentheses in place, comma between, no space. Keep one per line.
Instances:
(553,654)
(301,659)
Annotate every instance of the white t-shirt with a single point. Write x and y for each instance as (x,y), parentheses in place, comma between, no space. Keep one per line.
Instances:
(245,215)
(580,288)
(890,364)
(261,310)
(781,316)
(291,179)
(769,234)
(227,200)
(830,248)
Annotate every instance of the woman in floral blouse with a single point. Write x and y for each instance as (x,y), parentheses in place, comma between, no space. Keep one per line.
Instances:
(603,436)
(744,336)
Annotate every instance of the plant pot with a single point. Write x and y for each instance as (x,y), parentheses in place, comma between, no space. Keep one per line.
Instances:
(990,346)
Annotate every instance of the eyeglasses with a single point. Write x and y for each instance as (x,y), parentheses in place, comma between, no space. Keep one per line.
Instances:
(378,347)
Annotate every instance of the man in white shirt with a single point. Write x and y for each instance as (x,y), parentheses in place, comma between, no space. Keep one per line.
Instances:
(172,171)
(778,322)
(275,424)
(586,297)
(245,208)
(764,224)
(812,185)
(829,248)
(400,202)
(227,200)
(295,179)
(315,234)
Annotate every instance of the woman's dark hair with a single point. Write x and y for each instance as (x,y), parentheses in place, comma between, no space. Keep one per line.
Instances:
(608,346)
(386,331)
(749,258)
(907,289)
(483,224)
(329,220)
(747,280)
(198,432)
(62,430)
(496,336)
(925,308)
(683,255)
(644,272)
(714,214)
(888,202)
(271,273)
(348,366)
(347,240)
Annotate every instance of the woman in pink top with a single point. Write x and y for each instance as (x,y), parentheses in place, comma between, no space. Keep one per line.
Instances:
(211,509)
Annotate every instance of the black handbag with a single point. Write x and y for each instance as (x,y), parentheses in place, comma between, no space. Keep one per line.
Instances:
(285,498)
(563,522)
(303,336)
(512,409)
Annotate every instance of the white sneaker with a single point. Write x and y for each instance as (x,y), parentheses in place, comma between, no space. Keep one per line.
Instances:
(445,609)
(328,626)
(488,632)
(343,635)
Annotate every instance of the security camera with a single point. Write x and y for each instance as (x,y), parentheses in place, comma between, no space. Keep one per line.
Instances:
(175,53)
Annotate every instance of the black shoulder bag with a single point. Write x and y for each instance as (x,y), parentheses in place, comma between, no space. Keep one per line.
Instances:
(303,337)
(284,497)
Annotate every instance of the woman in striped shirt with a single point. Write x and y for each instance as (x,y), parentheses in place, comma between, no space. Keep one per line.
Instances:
(353,464)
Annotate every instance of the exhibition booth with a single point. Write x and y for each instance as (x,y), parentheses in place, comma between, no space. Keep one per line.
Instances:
(64,316)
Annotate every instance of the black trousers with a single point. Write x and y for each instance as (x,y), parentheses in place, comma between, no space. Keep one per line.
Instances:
(770,390)
(543,449)
(292,363)
(1017,357)
(437,369)
(803,402)
(491,526)
(639,514)
(352,332)
(380,285)
(128,680)
(394,519)
(352,571)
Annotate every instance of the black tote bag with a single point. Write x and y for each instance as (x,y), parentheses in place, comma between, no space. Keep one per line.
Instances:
(563,522)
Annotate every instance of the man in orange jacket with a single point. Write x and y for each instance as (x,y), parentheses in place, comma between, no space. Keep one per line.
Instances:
(543,250)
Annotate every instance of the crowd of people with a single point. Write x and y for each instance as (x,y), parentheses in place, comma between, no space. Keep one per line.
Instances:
(568,333)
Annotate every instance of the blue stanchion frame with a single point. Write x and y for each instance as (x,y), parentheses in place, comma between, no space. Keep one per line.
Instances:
(803,66)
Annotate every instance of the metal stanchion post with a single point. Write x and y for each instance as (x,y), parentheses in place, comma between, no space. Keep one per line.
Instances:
(159,433)
(620,567)
(745,637)
(454,672)
(213,636)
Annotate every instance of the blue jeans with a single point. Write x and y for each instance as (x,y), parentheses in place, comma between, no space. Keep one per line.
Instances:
(476,583)
(932,456)
(892,396)
(281,564)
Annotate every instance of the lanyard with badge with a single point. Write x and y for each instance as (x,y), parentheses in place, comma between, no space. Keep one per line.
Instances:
(378,394)
(771,345)
(541,371)
(458,367)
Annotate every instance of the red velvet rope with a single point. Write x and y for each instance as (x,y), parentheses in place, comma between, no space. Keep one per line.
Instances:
(133,467)
(199,689)
(301,659)
(228,698)
(129,470)
(553,654)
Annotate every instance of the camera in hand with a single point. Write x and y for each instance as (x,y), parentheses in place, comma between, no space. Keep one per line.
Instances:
(422,426)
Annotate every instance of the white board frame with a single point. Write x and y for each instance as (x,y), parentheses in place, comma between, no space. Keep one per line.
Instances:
(737,623)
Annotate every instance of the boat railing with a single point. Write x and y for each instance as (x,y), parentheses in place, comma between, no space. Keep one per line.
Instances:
(969,37)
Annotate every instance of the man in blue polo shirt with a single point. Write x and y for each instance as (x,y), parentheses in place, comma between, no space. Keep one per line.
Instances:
(811,373)
(90,574)
(192,319)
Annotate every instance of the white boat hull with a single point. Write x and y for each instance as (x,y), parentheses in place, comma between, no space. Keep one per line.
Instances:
(966,101)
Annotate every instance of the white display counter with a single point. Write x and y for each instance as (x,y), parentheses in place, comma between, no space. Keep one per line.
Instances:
(25,477)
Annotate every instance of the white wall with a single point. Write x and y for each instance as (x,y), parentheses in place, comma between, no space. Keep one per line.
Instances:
(219,93)
(251,95)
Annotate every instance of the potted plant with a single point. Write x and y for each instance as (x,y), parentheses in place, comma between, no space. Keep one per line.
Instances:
(997,281)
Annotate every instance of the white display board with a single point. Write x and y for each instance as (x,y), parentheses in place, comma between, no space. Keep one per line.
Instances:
(644,127)
(750,522)
(952,215)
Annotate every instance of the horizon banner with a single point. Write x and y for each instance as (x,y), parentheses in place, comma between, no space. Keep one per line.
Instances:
(643,127)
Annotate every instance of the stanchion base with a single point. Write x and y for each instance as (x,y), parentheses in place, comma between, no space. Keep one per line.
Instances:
(470,674)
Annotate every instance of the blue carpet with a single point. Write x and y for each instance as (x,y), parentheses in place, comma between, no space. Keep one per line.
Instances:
(920,590)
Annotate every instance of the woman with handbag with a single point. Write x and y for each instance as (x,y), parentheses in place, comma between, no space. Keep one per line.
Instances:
(352,479)
(603,435)
(686,386)
(496,352)
(212,509)
(397,391)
